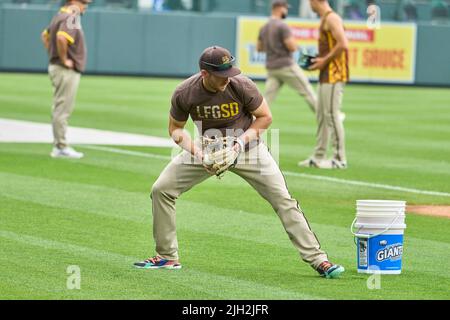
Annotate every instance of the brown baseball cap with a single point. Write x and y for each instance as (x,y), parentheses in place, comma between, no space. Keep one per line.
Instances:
(280,3)
(219,62)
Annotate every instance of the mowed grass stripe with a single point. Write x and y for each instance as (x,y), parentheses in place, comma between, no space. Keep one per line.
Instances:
(379,119)
(121,163)
(67,226)
(234,224)
(289,173)
(337,241)
(212,254)
(224,286)
(136,207)
(336,205)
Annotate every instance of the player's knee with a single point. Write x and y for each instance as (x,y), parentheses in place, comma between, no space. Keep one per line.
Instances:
(159,189)
(328,116)
(282,202)
(60,117)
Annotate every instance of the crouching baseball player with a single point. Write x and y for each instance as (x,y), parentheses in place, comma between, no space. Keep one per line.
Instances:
(230,114)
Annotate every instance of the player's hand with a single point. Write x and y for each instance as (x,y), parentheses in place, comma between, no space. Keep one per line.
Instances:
(69,64)
(201,157)
(220,154)
(318,64)
(237,147)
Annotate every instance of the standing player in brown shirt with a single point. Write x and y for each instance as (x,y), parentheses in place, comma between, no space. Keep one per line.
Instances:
(64,41)
(332,62)
(222,102)
(276,40)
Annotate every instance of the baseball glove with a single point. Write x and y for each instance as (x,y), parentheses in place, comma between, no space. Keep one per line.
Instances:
(305,60)
(219,154)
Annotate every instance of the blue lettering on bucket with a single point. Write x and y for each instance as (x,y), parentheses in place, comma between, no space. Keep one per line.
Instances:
(392,252)
(383,252)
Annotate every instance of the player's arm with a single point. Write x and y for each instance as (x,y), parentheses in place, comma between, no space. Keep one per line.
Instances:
(259,42)
(336,28)
(259,46)
(62,45)
(262,122)
(290,44)
(182,138)
(45,38)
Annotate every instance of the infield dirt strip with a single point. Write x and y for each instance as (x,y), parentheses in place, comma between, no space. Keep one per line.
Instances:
(430,210)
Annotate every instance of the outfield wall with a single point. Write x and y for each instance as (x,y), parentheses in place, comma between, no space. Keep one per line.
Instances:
(166,44)
(433,55)
(118,41)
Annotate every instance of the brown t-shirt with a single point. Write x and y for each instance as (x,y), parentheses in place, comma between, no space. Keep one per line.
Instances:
(228,111)
(272,36)
(68,25)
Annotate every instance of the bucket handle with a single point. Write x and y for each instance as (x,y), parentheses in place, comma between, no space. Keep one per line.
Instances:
(368,236)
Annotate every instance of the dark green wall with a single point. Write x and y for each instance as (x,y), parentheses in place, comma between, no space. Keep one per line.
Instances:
(1,36)
(433,55)
(20,38)
(122,42)
(166,44)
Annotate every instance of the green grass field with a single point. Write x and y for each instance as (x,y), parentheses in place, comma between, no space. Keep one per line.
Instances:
(96,212)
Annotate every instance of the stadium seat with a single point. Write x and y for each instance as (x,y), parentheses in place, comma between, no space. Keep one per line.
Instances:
(410,11)
(353,11)
(439,12)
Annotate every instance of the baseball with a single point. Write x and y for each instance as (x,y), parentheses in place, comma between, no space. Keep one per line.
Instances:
(207,160)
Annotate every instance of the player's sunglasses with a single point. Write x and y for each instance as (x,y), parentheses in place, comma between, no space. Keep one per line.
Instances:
(223,66)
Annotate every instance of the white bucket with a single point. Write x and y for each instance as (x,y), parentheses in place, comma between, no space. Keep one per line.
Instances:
(377,203)
(380,225)
(378,208)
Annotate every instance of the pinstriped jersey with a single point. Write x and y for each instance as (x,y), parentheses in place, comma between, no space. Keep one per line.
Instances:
(337,70)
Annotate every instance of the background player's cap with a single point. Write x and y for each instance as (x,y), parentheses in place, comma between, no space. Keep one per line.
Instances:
(219,62)
(82,1)
(280,3)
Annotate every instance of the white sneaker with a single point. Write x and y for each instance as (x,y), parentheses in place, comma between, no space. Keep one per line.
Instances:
(311,163)
(323,164)
(307,163)
(336,164)
(66,152)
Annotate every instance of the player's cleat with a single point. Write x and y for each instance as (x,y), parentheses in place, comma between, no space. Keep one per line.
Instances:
(66,152)
(330,271)
(336,164)
(309,163)
(322,164)
(157,262)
